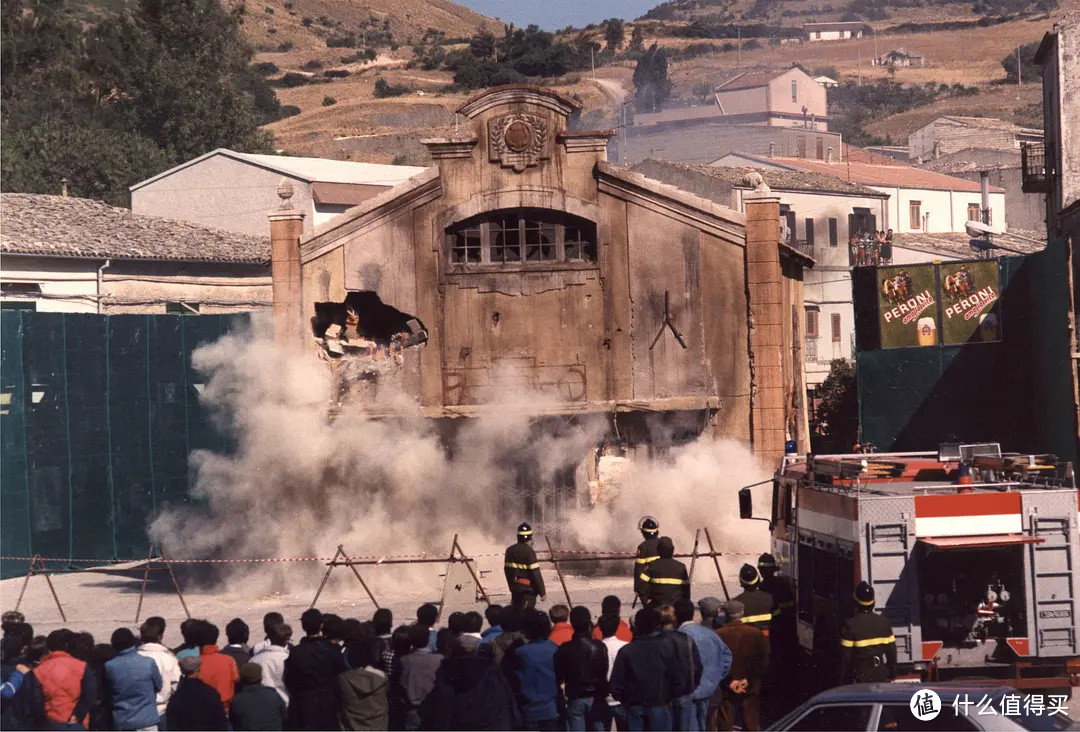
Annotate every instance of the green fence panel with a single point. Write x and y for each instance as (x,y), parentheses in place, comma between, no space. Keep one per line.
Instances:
(15,507)
(99,414)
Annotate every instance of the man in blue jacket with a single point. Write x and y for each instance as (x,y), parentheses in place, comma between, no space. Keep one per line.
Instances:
(534,674)
(715,655)
(133,683)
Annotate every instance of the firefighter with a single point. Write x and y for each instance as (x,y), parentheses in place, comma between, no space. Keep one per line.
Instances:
(782,590)
(783,639)
(867,645)
(665,579)
(646,552)
(757,602)
(523,571)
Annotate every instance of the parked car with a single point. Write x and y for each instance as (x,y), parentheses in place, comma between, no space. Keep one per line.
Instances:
(891,708)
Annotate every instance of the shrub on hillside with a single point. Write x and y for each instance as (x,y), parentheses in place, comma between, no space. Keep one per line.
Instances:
(289,110)
(384,89)
(336,73)
(292,79)
(328,101)
(311,65)
(266,68)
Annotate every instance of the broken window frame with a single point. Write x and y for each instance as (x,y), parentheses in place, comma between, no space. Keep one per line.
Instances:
(541,239)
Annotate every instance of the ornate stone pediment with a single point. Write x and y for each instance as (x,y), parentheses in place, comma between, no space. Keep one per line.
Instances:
(518,141)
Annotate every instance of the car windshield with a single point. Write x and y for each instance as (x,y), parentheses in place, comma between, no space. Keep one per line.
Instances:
(1046,722)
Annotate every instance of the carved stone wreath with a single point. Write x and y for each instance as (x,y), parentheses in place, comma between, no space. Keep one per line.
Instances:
(518,141)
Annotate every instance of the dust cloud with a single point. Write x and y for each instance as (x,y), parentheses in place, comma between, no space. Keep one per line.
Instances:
(298,484)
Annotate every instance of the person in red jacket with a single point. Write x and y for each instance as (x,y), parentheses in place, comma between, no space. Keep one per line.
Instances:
(612,605)
(61,690)
(217,670)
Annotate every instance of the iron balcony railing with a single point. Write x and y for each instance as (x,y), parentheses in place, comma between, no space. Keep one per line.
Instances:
(1036,173)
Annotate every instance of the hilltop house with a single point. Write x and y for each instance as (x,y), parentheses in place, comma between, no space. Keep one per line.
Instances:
(789,98)
(840,31)
(235,191)
(524,260)
(75,255)
(900,57)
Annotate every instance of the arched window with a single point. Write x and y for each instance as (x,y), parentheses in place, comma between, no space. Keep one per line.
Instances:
(521,237)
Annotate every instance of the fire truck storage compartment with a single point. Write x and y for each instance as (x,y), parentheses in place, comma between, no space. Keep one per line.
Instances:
(971,594)
(826,570)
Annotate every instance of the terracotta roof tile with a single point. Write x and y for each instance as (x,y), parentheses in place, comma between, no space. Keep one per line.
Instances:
(882,174)
(781,180)
(59,226)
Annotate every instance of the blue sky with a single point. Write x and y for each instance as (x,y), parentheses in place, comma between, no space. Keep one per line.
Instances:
(556,14)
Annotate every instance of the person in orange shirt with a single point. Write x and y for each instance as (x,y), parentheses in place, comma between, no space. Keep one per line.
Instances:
(561,630)
(217,670)
(612,605)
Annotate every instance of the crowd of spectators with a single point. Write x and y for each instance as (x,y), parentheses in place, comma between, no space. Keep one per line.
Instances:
(526,669)
(871,248)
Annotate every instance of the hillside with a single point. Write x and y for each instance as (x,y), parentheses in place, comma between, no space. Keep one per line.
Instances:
(796,12)
(309,24)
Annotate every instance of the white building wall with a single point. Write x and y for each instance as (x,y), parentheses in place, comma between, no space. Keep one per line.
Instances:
(947,209)
(810,94)
(67,286)
(223,193)
(71,285)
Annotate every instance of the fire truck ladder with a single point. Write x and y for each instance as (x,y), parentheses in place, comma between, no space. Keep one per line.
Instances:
(889,551)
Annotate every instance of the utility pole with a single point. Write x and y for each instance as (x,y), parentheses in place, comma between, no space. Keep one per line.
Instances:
(1019,69)
(739,30)
(860,64)
(592,59)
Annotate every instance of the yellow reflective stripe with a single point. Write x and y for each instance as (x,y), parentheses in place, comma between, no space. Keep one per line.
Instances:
(757,618)
(664,580)
(524,533)
(513,565)
(646,560)
(868,642)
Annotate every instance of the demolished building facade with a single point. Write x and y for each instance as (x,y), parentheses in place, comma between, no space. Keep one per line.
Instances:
(524,261)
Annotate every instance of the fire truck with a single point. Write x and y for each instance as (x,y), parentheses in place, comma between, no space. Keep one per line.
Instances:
(973,555)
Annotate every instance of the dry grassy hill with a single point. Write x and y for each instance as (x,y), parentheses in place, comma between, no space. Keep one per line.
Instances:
(307,24)
(360,127)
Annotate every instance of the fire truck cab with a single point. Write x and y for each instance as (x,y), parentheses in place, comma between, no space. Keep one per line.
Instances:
(973,555)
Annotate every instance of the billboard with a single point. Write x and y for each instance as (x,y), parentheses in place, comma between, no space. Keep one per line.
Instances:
(969,300)
(932,304)
(907,306)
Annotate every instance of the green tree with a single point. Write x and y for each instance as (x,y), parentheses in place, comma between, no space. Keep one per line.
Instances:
(637,40)
(651,83)
(482,45)
(151,85)
(836,423)
(614,34)
(1025,67)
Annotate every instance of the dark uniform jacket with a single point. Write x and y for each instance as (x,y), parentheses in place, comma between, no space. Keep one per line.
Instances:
(783,631)
(665,581)
(867,649)
(759,608)
(522,569)
(646,554)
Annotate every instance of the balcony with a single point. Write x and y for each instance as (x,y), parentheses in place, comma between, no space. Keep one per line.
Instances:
(1037,176)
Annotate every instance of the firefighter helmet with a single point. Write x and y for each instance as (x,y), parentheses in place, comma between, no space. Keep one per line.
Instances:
(524,531)
(648,525)
(767,561)
(748,576)
(864,594)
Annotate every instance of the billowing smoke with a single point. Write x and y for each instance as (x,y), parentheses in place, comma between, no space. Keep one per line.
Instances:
(298,484)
